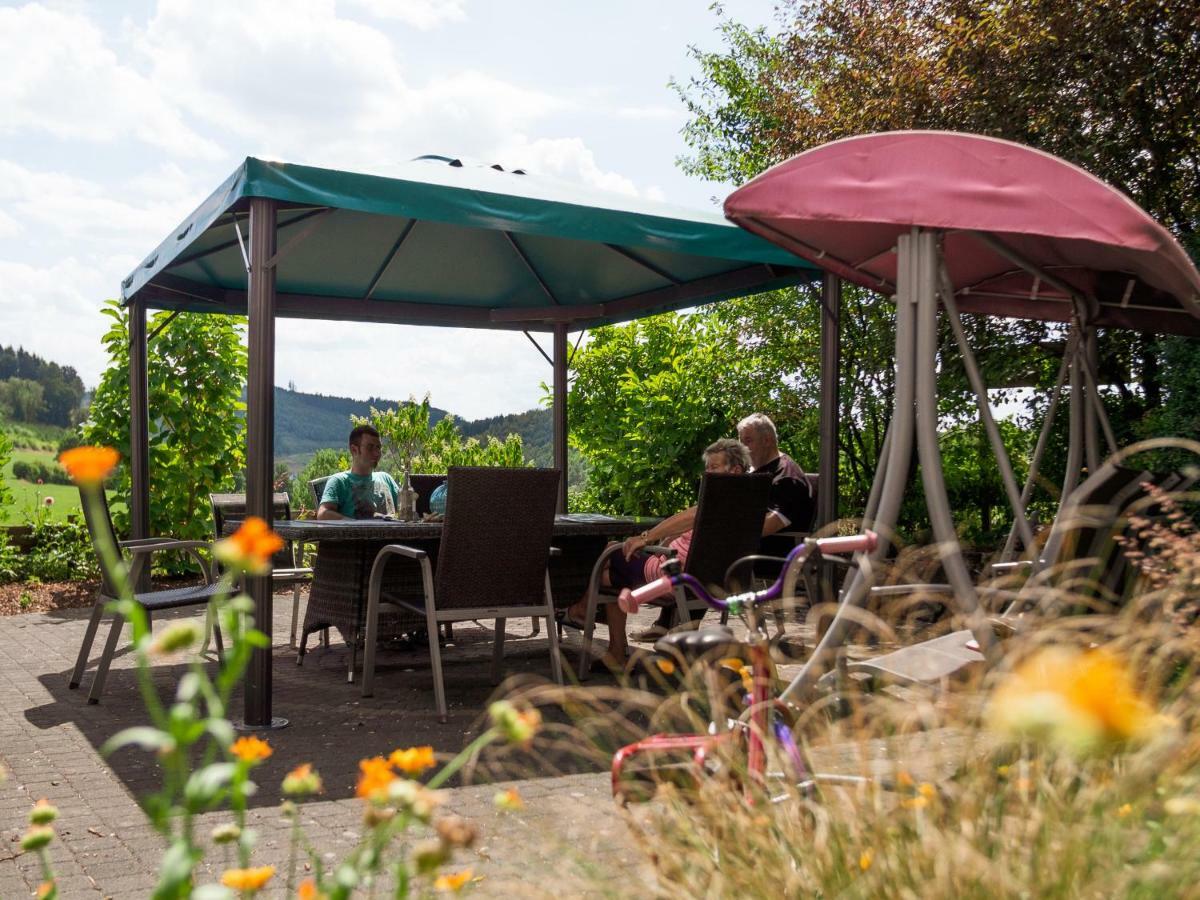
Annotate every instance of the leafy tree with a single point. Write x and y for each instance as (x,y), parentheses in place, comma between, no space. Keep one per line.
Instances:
(412,444)
(1107,85)
(196,374)
(5,455)
(24,397)
(324,462)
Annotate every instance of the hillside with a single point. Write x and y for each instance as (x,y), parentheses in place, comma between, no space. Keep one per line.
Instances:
(305,423)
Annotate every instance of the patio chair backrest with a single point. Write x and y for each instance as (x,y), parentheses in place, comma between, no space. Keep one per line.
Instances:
(729,521)
(101,531)
(317,488)
(496,540)
(232,508)
(1092,512)
(425,485)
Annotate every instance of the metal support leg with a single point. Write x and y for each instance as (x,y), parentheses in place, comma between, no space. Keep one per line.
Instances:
(110,647)
(1040,449)
(498,652)
(1020,522)
(891,478)
(86,647)
(924,248)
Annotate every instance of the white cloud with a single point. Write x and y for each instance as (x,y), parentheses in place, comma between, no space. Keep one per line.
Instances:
(61,79)
(653,113)
(314,87)
(565,158)
(65,298)
(420,14)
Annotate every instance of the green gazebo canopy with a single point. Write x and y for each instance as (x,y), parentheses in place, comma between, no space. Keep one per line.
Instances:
(448,243)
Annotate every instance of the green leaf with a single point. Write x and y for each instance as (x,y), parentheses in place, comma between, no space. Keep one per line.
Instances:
(142,736)
(204,784)
(175,871)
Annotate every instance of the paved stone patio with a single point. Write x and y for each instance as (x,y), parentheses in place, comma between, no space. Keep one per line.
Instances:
(570,839)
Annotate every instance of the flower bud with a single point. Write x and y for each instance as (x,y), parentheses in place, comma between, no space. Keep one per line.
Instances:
(37,837)
(43,813)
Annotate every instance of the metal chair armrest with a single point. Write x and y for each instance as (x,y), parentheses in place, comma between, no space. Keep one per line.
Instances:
(374,589)
(556,551)
(143,548)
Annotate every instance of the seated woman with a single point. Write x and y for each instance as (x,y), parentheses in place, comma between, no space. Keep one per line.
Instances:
(631,568)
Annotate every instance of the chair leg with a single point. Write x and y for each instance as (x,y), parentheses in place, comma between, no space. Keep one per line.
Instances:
(86,647)
(537,626)
(220,641)
(435,661)
(681,607)
(325,638)
(589,629)
(552,634)
(368,678)
(295,613)
(498,652)
(110,646)
(353,656)
(449,632)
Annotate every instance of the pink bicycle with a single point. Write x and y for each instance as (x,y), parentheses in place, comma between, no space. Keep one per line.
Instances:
(760,720)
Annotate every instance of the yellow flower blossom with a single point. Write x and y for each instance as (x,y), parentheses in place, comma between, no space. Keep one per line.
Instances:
(307,890)
(927,790)
(452,882)
(89,465)
(917,802)
(1124,810)
(865,859)
(249,880)
(250,548)
(517,726)
(47,890)
(251,749)
(414,760)
(1076,700)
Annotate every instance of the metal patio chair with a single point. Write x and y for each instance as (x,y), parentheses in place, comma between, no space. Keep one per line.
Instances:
(140,550)
(284,568)
(728,526)
(492,564)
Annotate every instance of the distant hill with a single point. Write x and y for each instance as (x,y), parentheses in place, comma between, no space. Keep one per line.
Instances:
(305,423)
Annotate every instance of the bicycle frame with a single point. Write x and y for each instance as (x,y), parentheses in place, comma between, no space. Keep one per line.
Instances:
(760,702)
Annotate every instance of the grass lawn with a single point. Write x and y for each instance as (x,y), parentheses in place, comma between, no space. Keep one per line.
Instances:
(27,496)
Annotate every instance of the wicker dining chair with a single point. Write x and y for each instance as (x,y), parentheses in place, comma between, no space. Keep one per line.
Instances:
(492,563)
(728,526)
(284,568)
(140,550)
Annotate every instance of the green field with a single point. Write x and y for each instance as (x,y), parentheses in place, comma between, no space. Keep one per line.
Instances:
(27,497)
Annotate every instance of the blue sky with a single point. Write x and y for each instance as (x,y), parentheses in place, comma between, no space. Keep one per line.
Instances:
(117,118)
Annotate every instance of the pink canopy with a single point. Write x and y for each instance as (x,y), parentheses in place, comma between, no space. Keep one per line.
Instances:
(999,205)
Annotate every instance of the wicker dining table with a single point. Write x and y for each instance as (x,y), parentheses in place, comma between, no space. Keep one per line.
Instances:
(346,550)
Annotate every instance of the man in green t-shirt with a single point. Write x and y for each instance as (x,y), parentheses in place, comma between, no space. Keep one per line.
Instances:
(361,493)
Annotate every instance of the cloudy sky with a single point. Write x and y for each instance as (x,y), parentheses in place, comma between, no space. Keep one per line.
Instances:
(118,118)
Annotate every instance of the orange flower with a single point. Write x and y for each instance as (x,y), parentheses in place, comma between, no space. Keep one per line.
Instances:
(307,890)
(250,548)
(89,465)
(414,760)
(47,890)
(250,880)
(453,881)
(865,859)
(251,749)
(375,777)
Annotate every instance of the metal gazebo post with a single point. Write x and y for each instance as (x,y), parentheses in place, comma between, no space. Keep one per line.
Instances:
(560,411)
(139,432)
(260,442)
(831,363)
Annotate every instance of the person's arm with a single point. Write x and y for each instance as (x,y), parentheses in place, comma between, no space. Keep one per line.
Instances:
(664,531)
(773,522)
(331,501)
(329,511)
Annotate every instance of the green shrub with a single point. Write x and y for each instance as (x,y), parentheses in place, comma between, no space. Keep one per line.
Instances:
(36,471)
(62,551)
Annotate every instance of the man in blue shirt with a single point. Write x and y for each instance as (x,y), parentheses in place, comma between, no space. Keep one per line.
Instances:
(361,493)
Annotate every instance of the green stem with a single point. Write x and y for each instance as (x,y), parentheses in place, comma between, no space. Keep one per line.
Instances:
(459,761)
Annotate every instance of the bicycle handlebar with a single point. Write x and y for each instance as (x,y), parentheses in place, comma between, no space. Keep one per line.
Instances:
(631,600)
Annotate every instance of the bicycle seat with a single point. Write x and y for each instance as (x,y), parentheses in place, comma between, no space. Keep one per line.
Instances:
(690,644)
